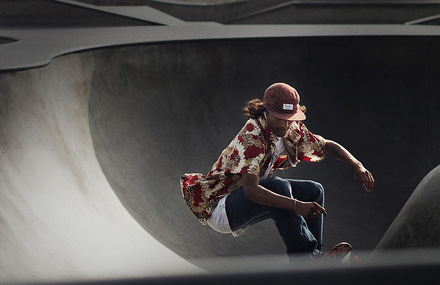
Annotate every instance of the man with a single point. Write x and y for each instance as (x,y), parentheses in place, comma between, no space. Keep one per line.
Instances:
(239,190)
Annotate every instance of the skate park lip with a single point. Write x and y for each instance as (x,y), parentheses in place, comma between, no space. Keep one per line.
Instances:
(42,46)
(47,45)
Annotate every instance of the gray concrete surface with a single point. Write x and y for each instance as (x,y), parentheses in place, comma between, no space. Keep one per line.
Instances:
(291,12)
(97,125)
(60,220)
(43,13)
(417,225)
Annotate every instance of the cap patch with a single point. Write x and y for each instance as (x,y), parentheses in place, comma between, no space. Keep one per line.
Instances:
(288,107)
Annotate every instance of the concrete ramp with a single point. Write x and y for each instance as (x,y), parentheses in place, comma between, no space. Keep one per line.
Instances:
(418,223)
(59,217)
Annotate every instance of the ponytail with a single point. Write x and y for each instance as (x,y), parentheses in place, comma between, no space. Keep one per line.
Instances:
(253,109)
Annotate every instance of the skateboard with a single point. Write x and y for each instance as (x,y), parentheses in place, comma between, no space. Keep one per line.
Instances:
(340,254)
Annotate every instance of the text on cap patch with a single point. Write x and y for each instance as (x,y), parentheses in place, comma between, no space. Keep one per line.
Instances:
(288,107)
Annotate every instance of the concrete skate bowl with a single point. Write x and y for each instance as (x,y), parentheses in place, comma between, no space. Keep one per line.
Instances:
(149,113)
(158,111)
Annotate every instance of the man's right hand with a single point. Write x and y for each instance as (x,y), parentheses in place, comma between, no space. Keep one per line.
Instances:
(309,209)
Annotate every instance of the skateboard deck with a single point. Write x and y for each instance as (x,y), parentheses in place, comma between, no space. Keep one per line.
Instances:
(340,253)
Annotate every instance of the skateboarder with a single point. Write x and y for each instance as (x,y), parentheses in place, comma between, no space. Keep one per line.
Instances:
(240,191)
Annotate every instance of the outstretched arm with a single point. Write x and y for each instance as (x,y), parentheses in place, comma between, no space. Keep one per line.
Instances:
(361,174)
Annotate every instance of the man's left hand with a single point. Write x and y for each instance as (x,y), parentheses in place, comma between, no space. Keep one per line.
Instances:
(364,177)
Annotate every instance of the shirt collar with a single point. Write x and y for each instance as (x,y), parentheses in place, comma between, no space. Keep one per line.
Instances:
(267,132)
(293,134)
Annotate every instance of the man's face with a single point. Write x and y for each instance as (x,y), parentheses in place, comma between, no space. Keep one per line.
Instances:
(278,126)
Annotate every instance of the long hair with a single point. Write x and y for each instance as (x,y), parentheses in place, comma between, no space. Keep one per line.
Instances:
(254,108)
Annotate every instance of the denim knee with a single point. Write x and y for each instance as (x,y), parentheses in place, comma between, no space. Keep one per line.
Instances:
(318,191)
(278,185)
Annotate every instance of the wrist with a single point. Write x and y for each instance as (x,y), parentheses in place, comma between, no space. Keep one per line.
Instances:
(357,164)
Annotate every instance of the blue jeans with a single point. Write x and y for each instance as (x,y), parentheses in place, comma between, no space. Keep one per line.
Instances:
(300,235)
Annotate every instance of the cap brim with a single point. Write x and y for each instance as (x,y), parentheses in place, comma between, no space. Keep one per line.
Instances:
(298,116)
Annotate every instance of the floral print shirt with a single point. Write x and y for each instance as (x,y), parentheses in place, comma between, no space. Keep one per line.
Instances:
(249,152)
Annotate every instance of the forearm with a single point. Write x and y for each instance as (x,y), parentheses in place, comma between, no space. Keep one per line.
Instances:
(259,194)
(362,175)
(263,196)
(339,152)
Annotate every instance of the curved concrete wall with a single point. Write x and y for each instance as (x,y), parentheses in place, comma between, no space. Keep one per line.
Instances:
(59,218)
(417,225)
(158,111)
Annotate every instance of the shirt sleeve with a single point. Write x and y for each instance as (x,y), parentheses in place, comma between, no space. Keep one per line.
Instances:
(310,146)
(245,153)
